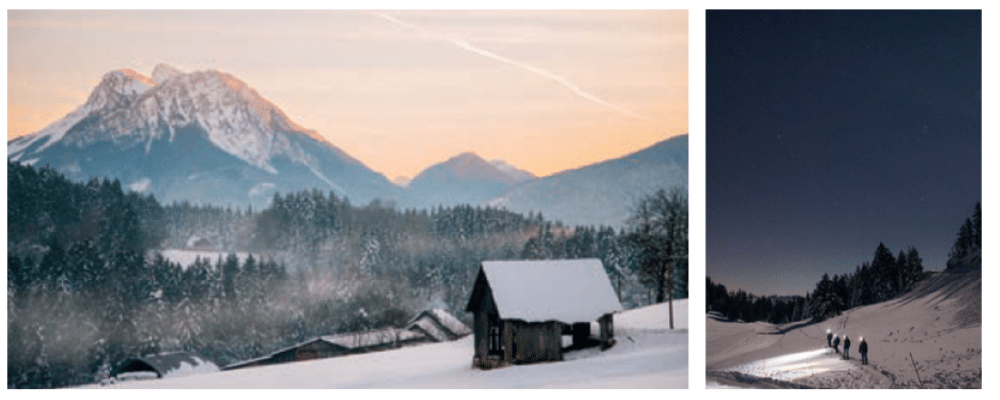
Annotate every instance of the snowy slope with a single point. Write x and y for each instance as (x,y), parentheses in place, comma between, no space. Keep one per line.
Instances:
(939,323)
(647,356)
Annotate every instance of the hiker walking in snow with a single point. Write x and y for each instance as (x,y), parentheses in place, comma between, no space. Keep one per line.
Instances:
(847,347)
(836,343)
(863,348)
(829,337)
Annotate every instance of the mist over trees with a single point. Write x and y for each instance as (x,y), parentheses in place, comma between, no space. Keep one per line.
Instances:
(88,287)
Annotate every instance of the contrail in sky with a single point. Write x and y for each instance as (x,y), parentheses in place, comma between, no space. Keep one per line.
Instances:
(538,71)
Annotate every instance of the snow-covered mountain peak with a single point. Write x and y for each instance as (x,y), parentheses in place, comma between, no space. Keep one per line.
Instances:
(128,108)
(197,123)
(163,72)
(118,88)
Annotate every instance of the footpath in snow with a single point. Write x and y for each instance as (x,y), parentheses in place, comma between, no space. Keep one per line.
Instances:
(647,355)
(939,323)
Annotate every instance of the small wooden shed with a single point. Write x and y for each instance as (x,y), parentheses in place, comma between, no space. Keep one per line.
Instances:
(522,309)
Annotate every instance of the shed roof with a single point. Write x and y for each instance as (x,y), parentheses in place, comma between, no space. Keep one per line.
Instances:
(439,324)
(551,290)
(276,352)
(168,364)
(372,338)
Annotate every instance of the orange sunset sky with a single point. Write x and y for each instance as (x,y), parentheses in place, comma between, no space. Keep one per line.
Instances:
(400,90)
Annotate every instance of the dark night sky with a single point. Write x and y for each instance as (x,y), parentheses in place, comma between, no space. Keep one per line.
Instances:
(831,131)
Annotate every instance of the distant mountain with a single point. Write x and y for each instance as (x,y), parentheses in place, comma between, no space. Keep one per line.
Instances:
(464,179)
(517,174)
(203,136)
(401,181)
(601,194)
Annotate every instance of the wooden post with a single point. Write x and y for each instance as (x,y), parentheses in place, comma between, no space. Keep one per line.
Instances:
(915,370)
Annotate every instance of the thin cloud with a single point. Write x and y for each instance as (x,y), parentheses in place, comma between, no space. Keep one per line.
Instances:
(535,70)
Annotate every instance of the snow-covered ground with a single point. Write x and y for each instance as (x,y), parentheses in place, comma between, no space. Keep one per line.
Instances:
(939,323)
(647,355)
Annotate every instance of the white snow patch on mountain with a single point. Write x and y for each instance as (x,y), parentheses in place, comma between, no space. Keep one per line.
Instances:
(519,175)
(323,178)
(163,72)
(52,133)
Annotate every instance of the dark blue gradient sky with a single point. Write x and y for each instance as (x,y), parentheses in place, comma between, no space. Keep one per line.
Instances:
(831,131)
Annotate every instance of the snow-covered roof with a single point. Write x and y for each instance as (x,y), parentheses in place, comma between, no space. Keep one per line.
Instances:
(372,338)
(449,321)
(428,327)
(439,324)
(168,364)
(349,341)
(551,290)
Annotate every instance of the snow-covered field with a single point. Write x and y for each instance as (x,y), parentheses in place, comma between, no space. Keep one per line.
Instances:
(939,323)
(647,355)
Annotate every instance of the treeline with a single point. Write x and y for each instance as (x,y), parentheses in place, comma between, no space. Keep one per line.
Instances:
(884,278)
(45,208)
(87,287)
(76,274)
(970,236)
(742,306)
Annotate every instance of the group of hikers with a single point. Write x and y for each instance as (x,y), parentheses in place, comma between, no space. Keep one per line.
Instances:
(833,340)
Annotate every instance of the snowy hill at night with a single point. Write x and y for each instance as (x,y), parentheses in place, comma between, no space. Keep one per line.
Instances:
(647,355)
(939,323)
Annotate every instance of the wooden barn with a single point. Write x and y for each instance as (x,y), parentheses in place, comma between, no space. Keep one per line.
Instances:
(522,309)
(162,366)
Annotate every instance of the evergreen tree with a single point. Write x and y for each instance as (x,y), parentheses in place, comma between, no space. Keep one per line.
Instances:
(825,302)
(914,271)
(977,226)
